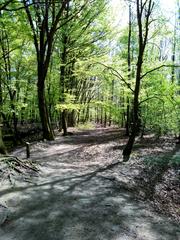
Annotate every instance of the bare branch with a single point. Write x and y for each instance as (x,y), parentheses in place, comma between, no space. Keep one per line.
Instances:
(149,98)
(157,68)
(117,74)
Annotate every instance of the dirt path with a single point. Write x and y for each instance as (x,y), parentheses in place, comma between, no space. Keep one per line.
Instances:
(77,197)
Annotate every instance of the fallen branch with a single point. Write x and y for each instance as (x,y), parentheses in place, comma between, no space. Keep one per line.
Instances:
(9,165)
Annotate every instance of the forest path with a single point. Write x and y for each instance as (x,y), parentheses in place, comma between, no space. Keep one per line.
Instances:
(76,196)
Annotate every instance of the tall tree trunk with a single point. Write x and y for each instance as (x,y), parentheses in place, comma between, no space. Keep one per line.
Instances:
(43,59)
(112,99)
(62,84)
(2,145)
(143,34)
(72,118)
(173,56)
(127,150)
(43,112)
(128,119)
(43,31)
(44,116)
(105,119)
(64,122)
(63,72)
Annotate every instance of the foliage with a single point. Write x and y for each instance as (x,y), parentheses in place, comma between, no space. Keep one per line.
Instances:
(68,103)
(96,85)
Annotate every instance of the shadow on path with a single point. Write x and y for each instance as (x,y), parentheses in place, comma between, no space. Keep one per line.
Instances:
(77,202)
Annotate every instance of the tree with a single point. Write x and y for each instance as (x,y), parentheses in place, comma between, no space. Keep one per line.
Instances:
(128,119)
(78,41)
(144,10)
(45,18)
(2,146)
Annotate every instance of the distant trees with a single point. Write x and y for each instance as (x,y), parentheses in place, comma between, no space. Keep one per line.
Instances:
(47,19)
(78,43)
(70,66)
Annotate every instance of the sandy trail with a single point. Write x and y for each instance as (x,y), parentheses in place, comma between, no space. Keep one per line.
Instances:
(76,198)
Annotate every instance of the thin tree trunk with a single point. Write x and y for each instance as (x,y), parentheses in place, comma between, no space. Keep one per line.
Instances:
(128,119)
(2,145)
(142,44)
(105,119)
(64,122)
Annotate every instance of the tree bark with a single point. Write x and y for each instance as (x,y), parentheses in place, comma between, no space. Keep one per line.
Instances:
(64,122)
(2,146)
(128,119)
(62,83)
(44,116)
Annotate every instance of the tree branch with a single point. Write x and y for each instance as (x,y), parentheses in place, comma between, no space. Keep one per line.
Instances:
(157,68)
(117,74)
(149,98)
(32,26)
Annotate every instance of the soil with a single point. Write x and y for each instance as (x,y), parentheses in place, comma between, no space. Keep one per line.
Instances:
(85,191)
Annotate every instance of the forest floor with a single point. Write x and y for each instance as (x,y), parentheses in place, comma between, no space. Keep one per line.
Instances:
(84,190)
